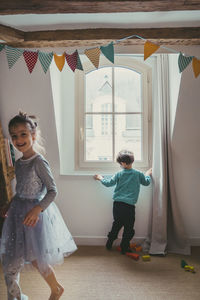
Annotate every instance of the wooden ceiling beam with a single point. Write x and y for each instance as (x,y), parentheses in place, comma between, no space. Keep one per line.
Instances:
(89,6)
(11,35)
(96,37)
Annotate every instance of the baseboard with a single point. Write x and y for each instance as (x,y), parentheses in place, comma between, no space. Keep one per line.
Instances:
(99,240)
(194,241)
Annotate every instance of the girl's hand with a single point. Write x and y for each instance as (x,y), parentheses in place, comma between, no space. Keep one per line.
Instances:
(32,216)
(98,177)
(149,172)
(4,210)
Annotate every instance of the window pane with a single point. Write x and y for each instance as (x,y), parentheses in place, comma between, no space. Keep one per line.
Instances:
(127,90)
(128,134)
(98,139)
(99,90)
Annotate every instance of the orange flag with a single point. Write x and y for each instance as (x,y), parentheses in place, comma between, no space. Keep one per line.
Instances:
(149,48)
(93,55)
(60,61)
(196,66)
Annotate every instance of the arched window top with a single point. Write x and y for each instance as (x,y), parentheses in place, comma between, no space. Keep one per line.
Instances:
(113,106)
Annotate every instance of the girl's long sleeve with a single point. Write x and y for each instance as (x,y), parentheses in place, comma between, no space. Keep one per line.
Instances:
(44,173)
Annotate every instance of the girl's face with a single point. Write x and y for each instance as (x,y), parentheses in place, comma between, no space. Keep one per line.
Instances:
(23,139)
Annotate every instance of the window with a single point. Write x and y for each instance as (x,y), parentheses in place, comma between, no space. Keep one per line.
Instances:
(113,112)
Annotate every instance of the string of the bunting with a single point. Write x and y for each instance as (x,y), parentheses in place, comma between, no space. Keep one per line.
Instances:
(93,54)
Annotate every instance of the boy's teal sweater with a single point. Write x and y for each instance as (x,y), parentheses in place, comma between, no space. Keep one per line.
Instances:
(127,184)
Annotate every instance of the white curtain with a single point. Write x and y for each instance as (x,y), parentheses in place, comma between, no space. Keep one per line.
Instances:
(166,232)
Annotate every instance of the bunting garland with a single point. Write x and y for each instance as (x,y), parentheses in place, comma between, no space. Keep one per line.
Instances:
(196,66)
(93,55)
(74,62)
(60,61)
(13,54)
(79,64)
(30,58)
(1,47)
(183,61)
(108,52)
(45,60)
(149,49)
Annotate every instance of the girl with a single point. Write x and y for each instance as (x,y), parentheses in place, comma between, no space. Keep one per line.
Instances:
(34,231)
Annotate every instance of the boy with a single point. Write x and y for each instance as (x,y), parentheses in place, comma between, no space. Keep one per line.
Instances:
(125,196)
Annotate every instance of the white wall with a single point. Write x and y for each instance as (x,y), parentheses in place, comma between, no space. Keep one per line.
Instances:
(85,204)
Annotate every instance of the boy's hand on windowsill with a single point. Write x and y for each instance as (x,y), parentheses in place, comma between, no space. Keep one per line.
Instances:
(149,172)
(98,177)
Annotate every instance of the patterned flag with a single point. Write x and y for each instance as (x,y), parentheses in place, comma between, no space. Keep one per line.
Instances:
(149,49)
(79,64)
(93,55)
(30,58)
(196,66)
(60,61)
(183,61)
(13,54)
(108,51)
(72,60)
(45,60)
(1,47)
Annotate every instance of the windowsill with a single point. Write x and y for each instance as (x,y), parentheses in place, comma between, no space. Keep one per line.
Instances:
(102,172)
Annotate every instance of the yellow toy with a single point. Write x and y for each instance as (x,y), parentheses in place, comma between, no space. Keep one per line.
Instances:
(189,268)
(146,257)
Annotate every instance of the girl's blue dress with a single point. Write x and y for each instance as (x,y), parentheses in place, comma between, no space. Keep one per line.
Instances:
(49,241)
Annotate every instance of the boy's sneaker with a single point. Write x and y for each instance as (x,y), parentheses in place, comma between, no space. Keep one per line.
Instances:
(109,244)
(124,251)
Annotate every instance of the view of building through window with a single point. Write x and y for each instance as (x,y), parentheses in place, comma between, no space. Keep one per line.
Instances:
(113,113)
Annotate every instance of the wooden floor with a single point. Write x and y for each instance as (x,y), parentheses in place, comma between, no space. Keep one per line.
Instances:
(93,273)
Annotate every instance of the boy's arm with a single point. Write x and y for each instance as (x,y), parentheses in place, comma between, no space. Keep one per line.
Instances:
(145,179)
(108,181)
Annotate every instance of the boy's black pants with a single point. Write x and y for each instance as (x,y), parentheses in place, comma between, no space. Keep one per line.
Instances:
(124,216)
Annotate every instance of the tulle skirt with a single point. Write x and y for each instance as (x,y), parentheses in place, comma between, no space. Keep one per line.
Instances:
(47,243)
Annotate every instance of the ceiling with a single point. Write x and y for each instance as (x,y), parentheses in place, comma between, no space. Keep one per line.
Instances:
(50,23)
(32,22)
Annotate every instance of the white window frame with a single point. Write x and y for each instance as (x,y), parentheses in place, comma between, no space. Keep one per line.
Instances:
(120,61)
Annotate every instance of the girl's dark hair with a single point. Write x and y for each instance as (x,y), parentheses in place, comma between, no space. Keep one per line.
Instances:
(23,118)
(125,156)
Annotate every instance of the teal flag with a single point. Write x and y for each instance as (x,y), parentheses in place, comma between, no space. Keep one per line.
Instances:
(45,60)
(79,64)
(183,61)
(13,54)
(108,51)
(1,47)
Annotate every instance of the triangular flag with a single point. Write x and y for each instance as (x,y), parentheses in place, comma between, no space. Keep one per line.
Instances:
(60,61)
(13,54)
(72,60)
(196,66)
(149,48)
(93,55)
(183,61)
(30,58)
(1,47)
(108,51)
(79,64)
(45,60)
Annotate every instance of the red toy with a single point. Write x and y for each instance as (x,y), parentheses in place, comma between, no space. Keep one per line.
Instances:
(130,254)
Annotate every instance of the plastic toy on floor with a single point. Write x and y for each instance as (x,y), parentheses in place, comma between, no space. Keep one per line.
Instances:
(189,269)
(146,257)
(130,254)
(136,247)
(186,267)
